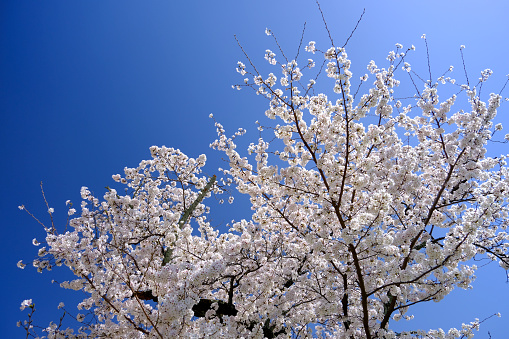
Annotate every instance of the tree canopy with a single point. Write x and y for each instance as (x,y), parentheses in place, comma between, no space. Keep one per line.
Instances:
(364,204)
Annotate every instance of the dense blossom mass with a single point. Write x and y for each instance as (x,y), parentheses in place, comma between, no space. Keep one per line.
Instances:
(363,206)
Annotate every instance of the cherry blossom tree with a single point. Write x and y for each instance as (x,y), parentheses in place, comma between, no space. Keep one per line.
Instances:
(364,205)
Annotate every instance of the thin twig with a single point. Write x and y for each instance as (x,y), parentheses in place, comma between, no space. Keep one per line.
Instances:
(464,67)
(247,56)
(277,44)
(500,93)
(325,23)
(355,28)
(301,38)
(429,66)
(47,205)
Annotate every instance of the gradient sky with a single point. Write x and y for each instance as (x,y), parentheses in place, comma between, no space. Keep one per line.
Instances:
(86,87)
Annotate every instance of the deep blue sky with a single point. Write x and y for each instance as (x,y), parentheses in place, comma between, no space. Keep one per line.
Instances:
(86,87)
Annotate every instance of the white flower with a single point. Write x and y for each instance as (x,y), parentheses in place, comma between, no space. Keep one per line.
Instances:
(311,47)
(21,265)
(498,127)
(61,305)
(21,207)
(330,161)
(268,32)
(26,303)
(270,57)
(202,159)
(241,68)
(462,46)
(423,36)
(51,210)
(35,242)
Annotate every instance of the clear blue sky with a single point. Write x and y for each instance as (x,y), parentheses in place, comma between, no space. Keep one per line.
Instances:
(86,87)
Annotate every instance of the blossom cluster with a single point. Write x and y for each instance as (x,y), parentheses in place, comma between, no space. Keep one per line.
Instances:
(362,208)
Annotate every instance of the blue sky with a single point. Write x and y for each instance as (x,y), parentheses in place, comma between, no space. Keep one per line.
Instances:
(86,87)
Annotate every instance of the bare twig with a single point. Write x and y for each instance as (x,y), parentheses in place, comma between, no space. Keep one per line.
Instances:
(355,28)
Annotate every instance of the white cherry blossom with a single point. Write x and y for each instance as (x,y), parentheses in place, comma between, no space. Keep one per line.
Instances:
(364,205)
